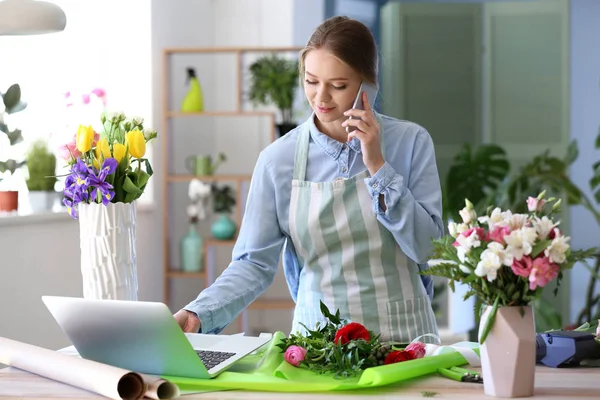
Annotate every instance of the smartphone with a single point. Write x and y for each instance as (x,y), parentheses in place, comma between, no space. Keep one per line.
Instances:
(371,91)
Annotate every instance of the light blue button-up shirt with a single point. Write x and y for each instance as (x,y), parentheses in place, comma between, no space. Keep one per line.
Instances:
(408,180)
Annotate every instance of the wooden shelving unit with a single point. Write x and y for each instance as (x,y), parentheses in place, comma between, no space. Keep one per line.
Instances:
(208,274)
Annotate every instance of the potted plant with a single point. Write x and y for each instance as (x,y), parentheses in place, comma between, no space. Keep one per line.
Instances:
(223,200)
(9,199)
(273,80)
(41,165)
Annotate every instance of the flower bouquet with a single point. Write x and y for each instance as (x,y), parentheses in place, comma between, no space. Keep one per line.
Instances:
(343,348)
(107,173)
(506,260)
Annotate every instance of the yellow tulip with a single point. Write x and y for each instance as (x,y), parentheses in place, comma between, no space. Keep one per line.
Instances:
(102,149)
(119,151)
(85,138)
(136,143)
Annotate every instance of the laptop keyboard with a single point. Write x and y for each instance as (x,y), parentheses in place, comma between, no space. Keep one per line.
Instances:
(213,358)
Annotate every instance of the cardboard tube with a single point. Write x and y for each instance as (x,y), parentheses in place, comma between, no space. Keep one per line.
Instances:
(112,382)
(160,389)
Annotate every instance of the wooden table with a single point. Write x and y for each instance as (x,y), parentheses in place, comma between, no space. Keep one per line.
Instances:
(574,383)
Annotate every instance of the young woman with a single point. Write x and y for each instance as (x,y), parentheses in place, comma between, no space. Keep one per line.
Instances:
(354,213)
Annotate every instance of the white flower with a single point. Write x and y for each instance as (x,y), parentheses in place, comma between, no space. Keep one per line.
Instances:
(517,221)
(464,268)
(461,252)
(468,215)
(506,257)
(520,242)
(488,266)
(198,190)
(468,242)
(116,117)
(137,120)
(456,229)
(543,226)
(496,218)
(460,228)
(192,211)
(452,229)
(557,249)
(149,134)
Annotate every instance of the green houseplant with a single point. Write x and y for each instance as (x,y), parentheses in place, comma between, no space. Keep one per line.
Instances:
(41,164)
(224,228)
(273,80)
(11,99)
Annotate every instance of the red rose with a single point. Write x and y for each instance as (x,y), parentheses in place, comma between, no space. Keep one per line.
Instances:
(398,356)
(351,331)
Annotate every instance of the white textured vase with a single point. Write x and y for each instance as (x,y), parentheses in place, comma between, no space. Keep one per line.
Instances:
(108,259)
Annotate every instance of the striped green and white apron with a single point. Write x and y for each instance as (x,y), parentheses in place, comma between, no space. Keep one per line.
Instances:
(349,260)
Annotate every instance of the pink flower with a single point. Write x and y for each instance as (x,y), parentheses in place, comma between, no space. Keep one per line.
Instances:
(67,150)
(497,235)
(417,349)
(543,271)
(523,267)
(534,204)
(294,355)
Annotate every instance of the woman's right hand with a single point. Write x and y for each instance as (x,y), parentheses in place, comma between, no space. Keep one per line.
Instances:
(188,321)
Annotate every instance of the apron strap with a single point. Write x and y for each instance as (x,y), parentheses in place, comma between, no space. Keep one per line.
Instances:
(301,157)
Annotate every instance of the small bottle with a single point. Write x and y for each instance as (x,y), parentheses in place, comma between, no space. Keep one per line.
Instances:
(193,101)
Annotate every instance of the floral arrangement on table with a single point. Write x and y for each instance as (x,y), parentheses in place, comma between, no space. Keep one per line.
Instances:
(343,348)
(506,259)
(106,167)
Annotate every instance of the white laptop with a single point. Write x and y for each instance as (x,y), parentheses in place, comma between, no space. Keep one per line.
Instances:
(144,337)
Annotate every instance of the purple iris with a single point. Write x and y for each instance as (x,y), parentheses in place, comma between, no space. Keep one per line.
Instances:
(98,181)
(76,187)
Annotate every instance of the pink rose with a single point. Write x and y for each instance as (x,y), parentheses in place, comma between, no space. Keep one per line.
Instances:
(417,349)
(534,204)
(543,271)
(523,267)
(294,355)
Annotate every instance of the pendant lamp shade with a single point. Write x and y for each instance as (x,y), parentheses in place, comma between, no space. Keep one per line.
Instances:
(30,17)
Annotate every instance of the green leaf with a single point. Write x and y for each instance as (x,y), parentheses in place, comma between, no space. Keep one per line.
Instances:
(327,314)
(572,152)
(539,247)
(490,321)
(12,96)
(148,167)
(15,137)
(130,187)
(473,175)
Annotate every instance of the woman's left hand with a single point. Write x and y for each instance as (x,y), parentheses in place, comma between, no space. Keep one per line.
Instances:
(367,131)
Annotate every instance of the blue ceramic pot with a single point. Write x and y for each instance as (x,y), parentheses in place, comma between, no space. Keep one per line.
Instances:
(224,228)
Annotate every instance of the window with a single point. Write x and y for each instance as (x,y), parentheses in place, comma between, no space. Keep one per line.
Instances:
(106,47)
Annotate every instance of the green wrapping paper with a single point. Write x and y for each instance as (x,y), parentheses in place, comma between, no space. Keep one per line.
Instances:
(267,371)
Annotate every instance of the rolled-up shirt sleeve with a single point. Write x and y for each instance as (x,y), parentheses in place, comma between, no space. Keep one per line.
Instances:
(254,262)
(413,209)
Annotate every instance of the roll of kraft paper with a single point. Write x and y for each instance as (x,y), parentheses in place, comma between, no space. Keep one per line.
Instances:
(106,380)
